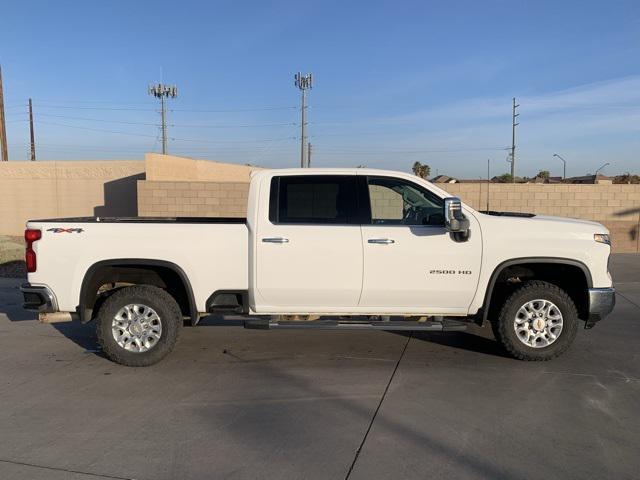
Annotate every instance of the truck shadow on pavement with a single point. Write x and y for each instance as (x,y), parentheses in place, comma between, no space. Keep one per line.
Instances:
(82,335)
(85,336)
(469,341)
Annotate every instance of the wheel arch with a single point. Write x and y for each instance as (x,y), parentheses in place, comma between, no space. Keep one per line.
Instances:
(161,273)
(524,262)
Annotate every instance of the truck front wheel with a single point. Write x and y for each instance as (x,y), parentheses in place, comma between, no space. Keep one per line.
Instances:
(538,321)
(138,325)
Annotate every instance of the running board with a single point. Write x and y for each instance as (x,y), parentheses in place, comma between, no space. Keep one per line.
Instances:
(438,326)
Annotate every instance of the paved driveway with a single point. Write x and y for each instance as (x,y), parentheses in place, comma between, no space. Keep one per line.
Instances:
(235,403)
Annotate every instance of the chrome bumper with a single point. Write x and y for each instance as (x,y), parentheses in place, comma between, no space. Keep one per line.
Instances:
(601,302)
(38,298)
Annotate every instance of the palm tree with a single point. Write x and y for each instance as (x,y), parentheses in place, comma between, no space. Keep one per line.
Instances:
(421,170)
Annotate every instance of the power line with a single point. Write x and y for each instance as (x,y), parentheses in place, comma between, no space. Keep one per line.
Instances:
(98,120)
(87,119)
(172,138)
(100,108)
(355,149)
(293,124)
(261,109)
(95,129)
(233,141)
(137,109)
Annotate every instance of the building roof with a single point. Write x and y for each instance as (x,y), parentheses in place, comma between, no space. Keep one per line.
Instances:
(590,179)
(444,179)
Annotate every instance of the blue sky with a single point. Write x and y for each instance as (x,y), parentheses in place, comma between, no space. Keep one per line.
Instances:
(395,82)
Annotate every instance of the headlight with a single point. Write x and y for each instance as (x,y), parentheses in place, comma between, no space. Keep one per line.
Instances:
(602,238)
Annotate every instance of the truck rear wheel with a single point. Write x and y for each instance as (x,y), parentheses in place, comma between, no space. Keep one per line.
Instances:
(539,321)
(138,325)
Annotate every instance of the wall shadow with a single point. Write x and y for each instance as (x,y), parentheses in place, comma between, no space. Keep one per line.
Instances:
(120,197)
(634,231)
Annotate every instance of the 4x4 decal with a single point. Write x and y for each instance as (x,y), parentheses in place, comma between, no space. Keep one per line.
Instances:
(65,230)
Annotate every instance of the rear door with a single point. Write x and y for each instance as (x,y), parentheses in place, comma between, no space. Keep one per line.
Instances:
(411,263)
(309,252)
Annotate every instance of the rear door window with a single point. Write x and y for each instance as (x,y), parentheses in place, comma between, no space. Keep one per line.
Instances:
(313,200)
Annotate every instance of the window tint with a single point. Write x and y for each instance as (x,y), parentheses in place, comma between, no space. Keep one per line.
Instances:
(313,199)
(399,202)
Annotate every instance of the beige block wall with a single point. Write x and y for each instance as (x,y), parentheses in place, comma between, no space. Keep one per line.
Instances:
(615,206)
(192,199)
(32,190)
(168,168)
(385,203)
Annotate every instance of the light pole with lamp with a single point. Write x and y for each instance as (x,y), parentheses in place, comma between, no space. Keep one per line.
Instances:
(596,174)
(564,166)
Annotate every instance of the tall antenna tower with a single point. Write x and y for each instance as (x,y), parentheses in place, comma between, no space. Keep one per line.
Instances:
(162,91)
(512,155)
(304,83)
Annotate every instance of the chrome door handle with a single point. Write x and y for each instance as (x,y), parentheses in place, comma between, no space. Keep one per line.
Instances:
(275,240)
(381,241)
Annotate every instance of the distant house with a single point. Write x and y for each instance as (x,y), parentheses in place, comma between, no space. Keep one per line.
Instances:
(585,179)
(545,180)
(444,179)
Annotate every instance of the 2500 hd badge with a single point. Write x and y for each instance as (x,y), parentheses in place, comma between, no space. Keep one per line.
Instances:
(449,272)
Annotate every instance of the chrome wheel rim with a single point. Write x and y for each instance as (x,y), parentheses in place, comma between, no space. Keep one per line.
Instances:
(136,328)
(538,323)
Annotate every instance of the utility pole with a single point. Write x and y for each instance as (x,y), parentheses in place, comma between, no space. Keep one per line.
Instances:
(33,141)
(162,91)
(304,83)
(309,155)
(488,180)
(3,128)
(514,124)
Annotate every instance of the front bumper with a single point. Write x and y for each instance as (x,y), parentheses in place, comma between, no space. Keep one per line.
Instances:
(601,303)
(38,298)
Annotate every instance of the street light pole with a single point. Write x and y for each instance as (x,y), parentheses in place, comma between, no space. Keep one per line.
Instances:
(596,174)
(564,166)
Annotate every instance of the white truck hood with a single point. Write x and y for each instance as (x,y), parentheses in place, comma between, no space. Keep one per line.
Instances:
(507,220)
(565,220)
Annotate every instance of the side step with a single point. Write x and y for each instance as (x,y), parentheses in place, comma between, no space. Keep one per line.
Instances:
(444,325)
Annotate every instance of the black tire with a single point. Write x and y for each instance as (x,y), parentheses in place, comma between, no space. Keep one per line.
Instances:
(504,327)
(154,297)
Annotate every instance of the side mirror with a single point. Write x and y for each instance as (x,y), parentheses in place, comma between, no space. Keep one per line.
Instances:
(454,219)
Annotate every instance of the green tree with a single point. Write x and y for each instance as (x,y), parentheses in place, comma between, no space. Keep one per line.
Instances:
(543,174)
(421,170)
(504,178)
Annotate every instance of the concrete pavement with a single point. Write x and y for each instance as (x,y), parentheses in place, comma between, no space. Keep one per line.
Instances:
(235,403)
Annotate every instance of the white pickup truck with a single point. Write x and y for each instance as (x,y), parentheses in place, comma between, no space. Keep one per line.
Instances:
(324,248)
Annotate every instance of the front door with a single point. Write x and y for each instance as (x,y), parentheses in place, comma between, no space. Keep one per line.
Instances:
(411,263)
(309,252)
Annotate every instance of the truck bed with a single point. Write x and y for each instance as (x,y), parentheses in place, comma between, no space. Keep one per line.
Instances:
(212,252)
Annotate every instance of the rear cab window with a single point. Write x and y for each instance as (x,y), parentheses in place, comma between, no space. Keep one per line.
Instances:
(313,200)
